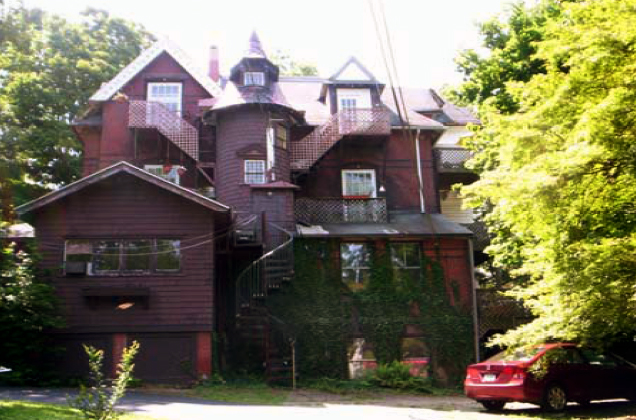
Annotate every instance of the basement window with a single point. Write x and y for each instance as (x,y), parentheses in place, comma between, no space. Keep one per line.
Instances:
(355,263)
(254,78)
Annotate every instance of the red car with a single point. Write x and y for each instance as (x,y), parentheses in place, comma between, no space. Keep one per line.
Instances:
(550,375)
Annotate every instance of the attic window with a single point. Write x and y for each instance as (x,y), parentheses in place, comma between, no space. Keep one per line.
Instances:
(254,78)
(167,94)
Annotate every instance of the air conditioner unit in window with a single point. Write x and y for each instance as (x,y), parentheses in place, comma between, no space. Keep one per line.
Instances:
(75,267)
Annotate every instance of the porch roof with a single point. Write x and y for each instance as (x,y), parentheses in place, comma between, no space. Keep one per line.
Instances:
(400,225)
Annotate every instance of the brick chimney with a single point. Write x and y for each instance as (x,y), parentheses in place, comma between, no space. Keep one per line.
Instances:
(213,64)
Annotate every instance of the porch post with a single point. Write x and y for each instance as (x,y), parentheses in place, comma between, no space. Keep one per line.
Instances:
(204,354)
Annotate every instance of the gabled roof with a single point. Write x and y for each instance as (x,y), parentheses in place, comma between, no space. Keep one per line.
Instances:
(351,72)
(121,167)
(146,57)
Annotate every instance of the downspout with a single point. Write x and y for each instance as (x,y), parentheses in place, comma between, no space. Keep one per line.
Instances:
(419,170)
(474,290)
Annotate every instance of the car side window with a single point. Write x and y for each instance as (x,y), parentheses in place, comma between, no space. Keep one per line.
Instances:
(600,359)
(566,356)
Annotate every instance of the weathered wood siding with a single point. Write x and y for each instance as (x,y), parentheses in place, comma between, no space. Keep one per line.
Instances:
(395,166)
(126,207)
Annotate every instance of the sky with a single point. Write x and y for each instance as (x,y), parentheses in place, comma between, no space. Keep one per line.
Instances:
(426,35)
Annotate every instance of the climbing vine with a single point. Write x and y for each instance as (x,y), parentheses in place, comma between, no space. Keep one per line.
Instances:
(325,314)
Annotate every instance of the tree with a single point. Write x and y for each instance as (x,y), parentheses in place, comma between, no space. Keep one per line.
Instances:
(50,68)
(564,186)
(28,307)
(290,67)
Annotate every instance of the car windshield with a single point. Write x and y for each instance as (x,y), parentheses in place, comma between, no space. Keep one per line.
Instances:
(519,355)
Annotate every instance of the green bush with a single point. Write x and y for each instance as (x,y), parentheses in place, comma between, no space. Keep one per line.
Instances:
(28,307)
(396,375)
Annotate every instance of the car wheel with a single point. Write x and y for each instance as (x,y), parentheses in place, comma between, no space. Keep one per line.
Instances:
(555,398)
(493,405)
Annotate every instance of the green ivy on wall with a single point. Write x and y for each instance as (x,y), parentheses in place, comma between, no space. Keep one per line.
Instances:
(325,314)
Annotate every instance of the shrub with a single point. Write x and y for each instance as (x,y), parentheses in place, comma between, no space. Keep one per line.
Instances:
(96,402)
(395,375)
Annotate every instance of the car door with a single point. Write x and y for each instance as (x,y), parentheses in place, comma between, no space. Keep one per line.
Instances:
(606,374)
(569,368)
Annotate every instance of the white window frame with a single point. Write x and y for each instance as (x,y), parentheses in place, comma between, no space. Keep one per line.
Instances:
(157,170)
(346,193)
(251,173)
(165,99)
(254,78)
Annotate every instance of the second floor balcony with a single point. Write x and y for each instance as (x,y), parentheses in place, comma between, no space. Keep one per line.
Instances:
(316,211)
(451,159)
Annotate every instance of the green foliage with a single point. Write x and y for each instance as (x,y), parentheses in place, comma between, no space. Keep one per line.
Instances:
(384,309)
(326,314)
(28,308)
(290,67)
(50,67)
(314,306)
(97,401)
(563,191)
(395,375)
(23,410)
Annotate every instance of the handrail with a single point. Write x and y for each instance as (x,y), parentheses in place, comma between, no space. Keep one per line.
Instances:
(255,281)
(143,114)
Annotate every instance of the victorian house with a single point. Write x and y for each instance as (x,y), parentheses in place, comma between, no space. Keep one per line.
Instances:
(195,187)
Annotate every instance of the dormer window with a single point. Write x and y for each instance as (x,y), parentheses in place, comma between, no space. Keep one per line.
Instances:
(254,78)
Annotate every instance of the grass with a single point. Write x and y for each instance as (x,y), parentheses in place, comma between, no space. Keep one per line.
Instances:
(21,410)
(243,393)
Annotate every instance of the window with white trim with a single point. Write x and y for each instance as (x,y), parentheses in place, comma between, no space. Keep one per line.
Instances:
(254,171)
(170,172)
(406,261)
(167,94)
(358,183)
(348,103)
(355,263)
(254,78)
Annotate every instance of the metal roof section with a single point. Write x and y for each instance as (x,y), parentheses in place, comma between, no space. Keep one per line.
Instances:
(144,59)
(120,167)
(401,225)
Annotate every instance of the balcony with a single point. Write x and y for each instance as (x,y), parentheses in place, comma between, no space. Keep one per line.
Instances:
(185,136)
(451,159)
(316,211)
(347,122)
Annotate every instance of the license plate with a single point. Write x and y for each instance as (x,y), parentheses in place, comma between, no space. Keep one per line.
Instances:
(489,377)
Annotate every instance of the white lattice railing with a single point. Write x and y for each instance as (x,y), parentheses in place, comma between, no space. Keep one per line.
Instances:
(368,121)
(142,114)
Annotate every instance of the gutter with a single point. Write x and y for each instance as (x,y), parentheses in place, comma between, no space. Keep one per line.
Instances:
(419,170)
(474,290)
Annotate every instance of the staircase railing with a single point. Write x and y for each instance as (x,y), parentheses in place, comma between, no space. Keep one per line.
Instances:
(143,114)
(368,121)
(267,273)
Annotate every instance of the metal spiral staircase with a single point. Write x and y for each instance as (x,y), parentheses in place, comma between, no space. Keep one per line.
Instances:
(262,277)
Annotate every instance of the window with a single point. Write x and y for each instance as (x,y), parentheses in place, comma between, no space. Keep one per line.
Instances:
(355,263)
(122,257)
(168,94)
(254,171)
(358,183)
(169,172)
(254,78)
(348,103)
(405,258)
(281,136)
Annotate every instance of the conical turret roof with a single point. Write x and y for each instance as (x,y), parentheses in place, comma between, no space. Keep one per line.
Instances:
(255,48)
